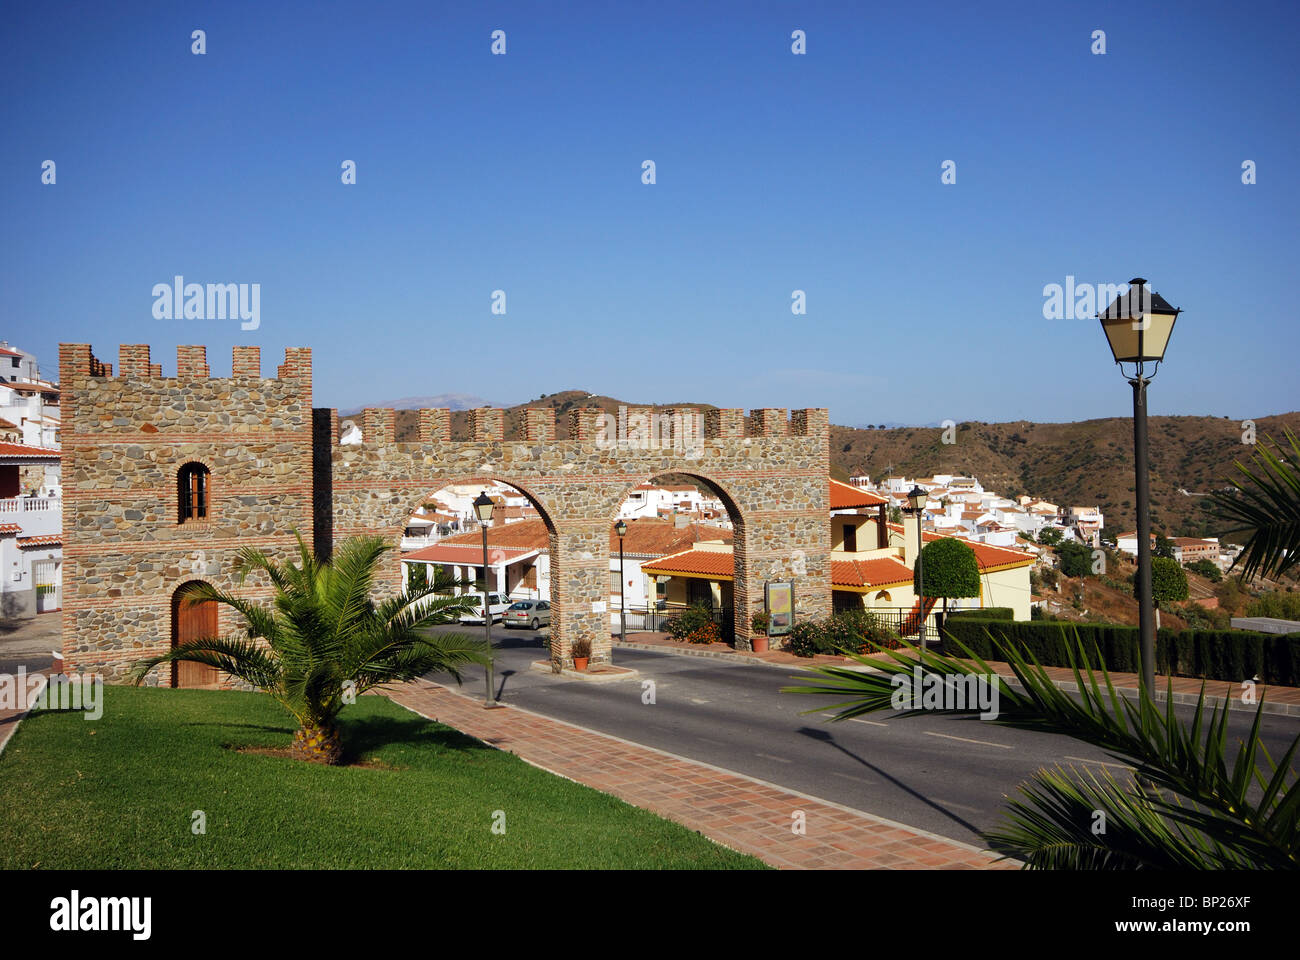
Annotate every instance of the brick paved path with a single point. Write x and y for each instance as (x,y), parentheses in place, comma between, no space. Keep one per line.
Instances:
(737,811)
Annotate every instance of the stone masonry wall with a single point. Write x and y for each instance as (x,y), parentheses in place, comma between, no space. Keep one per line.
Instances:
(124,440)
(276,467)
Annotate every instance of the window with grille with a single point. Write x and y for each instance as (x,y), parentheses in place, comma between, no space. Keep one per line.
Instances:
(192,484)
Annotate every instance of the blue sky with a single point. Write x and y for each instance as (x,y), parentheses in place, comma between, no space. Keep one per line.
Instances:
(775,172)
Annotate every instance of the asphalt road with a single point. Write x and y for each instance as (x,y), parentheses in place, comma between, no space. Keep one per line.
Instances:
(947,775)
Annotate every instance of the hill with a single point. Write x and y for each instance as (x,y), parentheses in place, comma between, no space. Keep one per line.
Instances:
(1088,462)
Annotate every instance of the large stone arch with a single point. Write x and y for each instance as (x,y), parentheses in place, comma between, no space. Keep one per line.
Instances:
(775,477)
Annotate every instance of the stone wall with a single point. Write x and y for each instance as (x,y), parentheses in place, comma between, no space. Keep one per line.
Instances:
(124,440)
(276,467)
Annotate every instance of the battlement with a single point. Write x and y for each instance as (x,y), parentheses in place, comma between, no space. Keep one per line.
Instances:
(630,426)
(77,360)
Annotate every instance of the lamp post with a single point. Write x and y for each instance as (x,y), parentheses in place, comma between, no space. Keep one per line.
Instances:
(916,498)
(621,529)
(483,507)
(1138,325)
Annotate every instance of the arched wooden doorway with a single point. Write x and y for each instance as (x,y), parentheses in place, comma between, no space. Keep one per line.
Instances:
(193,621)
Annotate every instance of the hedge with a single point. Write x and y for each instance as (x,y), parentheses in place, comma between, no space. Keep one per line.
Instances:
(985,613)
(1232,655)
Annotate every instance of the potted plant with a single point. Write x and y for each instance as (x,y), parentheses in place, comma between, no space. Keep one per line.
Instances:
(580,650)
(758,632)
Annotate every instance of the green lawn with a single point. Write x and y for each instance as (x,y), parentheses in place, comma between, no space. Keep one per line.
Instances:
(119,792)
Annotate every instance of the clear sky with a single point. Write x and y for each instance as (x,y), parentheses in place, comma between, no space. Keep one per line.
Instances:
(775,172)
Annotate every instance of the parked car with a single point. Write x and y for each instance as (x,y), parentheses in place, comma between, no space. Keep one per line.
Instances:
(498,603)
(528,613)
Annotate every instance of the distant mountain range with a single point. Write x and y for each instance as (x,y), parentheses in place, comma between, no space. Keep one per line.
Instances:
(1085,463)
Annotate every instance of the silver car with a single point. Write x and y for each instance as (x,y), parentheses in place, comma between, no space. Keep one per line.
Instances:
(528,613)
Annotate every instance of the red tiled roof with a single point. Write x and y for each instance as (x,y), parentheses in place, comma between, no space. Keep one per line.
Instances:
(882,571)
(54,540)
(845,497)
(9,353)
(26,387)
(717,564)
(10,528)
(23,450)
(986,555)
(464,553)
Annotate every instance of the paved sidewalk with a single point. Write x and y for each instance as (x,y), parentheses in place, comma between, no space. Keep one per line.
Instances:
(739,812)
(10,717)
(1278,700)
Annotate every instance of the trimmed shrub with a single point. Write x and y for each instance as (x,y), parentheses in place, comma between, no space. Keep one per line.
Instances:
(987,613)
(1232,655)
(693,625)
(855,631)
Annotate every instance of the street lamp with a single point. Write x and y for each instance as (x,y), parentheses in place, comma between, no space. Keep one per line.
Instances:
(621,529)
(916,498)
(1138,325)
(483,507)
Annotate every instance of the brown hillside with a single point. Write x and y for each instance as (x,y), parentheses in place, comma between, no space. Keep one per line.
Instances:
(1085,463)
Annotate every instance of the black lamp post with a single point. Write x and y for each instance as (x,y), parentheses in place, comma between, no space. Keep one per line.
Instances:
(483,507)
(1138,325)
(621,529)
(916,498)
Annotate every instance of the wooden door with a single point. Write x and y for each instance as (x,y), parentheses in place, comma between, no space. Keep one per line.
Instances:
(193,622)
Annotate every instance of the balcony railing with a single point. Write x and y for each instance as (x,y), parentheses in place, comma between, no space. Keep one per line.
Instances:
(30,504)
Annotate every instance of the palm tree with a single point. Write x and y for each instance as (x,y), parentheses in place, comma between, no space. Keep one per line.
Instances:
(323,641)
(1267,505)
(1186,806)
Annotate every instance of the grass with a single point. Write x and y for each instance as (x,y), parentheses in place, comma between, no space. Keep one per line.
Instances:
(120,793)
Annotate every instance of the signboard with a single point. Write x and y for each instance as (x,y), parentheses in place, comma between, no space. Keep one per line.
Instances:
(598,606)
(779,597)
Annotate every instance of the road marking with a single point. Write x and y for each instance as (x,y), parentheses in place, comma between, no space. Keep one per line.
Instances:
(1122,766)
(873,723)
(698,700)
(770,757)
(959,806)
(985,743)
(849,776)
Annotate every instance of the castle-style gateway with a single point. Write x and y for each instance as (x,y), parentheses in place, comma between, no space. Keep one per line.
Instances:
(165,478)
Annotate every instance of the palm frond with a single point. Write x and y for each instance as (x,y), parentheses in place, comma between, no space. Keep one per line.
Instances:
(1266,503)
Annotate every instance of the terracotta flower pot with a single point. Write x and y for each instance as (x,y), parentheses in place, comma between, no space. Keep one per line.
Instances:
(759,644)
(580,663)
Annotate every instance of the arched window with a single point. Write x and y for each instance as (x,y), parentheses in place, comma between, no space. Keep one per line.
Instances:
(192,492)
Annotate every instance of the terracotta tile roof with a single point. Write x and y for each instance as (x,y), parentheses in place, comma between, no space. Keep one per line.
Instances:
(656,538)
(9,353)
(23,450)
(26,387)
(845,497)
(716,564)
(7,425)
(986,555)
(466,554)
(525,535)
(54,540)
(10,528)
(879,572)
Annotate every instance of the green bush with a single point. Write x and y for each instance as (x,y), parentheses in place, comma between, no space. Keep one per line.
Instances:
(1168,581)
(857,631)
(1075,558)
(692,620)
(1232,655)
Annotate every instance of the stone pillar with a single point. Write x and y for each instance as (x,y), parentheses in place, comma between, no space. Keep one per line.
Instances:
(247,362)
(376,426)
(133,360)
(192,362)
(539,424)
(769,422)
(580,591)
(487,424)
(722,423)
(434,424)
